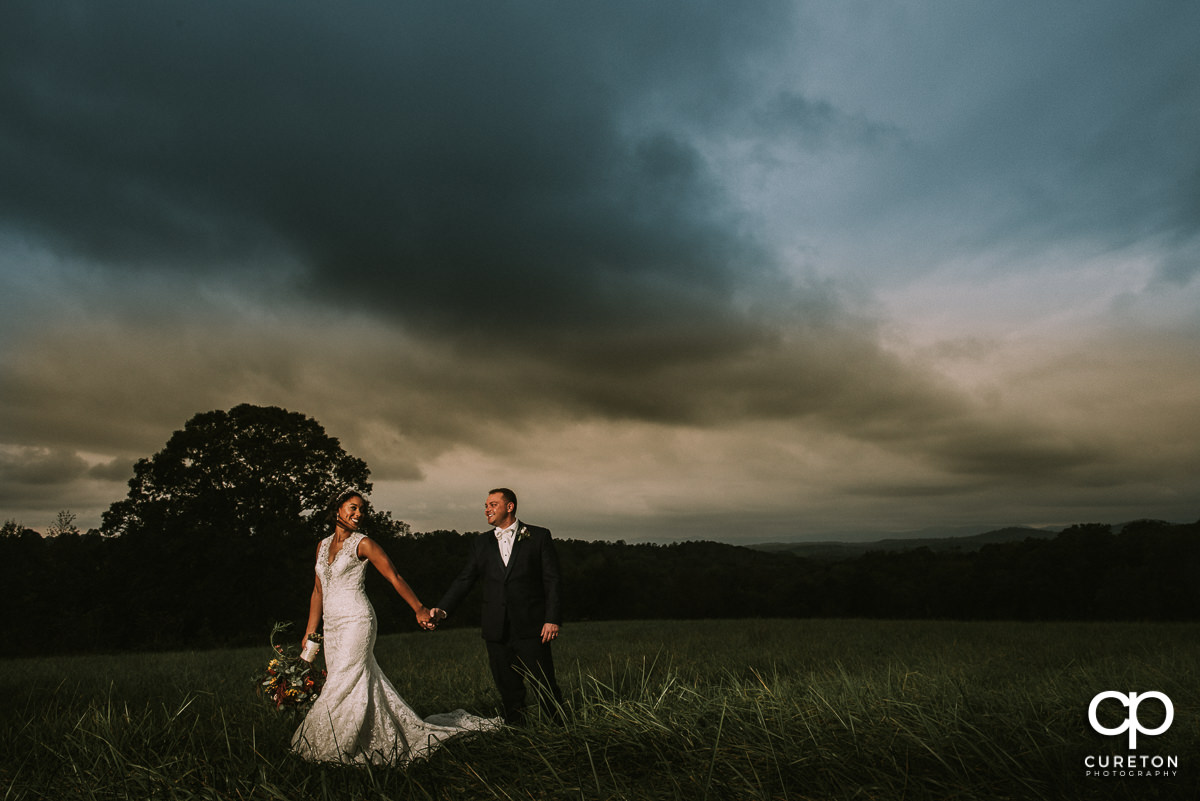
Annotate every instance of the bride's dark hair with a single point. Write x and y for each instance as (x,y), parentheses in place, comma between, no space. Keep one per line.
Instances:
(342,497)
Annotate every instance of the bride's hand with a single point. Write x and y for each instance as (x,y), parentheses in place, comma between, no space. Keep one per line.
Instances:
(423,618)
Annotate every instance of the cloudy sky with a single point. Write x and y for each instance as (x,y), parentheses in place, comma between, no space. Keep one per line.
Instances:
(672,270)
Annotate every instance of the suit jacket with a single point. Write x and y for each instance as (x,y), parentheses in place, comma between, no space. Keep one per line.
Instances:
(523,594)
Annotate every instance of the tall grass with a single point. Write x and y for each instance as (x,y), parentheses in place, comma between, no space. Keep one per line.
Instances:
(655,710)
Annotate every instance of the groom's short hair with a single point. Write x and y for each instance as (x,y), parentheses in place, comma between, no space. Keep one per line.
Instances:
(509,495)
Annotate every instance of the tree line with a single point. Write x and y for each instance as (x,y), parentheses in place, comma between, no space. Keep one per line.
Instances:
(87,592)
(216,541)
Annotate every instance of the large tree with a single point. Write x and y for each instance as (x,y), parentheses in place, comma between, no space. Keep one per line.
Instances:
(250,470)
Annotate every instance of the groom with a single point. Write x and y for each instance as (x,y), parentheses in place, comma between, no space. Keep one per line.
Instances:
(521,614)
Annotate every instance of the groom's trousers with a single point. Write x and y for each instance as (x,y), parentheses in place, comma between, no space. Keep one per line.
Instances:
(512,660)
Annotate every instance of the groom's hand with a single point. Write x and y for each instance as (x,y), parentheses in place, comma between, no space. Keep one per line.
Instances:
(425,618)
(438,615)
(549,632)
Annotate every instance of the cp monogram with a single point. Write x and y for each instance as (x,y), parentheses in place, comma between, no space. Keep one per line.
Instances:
(1132,724)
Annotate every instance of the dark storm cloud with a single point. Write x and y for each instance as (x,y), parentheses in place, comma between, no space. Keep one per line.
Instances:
(442,161)
(448,169)
(33,466)
(114,470)
(37,481)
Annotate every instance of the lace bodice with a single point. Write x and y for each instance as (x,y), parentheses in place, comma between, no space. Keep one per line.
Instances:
(342,580)
(350,567)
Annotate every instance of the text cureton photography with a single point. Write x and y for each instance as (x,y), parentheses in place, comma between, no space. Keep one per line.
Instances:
(1130,764)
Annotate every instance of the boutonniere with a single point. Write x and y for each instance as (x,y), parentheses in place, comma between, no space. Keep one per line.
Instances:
(522,533)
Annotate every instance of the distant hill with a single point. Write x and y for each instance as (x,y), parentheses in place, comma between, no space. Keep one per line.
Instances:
(833,550)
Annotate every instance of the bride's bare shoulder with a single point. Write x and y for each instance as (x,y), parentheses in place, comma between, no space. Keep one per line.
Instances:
(365,547)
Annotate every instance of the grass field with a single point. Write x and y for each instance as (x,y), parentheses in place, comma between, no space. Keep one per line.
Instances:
(777,709)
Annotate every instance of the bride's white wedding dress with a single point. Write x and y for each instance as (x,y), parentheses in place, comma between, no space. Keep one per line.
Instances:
(359,716)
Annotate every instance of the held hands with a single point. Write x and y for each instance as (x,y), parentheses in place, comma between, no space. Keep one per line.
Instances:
(429,618)
(424,620)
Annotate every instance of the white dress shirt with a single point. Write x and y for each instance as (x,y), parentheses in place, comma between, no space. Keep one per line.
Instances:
(506,537)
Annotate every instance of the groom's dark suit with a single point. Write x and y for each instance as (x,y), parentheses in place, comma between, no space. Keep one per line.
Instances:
(518,599)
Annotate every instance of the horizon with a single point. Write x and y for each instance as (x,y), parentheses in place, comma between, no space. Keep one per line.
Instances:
(833,538)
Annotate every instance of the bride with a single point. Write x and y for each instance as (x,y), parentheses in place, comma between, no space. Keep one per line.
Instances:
(359,717)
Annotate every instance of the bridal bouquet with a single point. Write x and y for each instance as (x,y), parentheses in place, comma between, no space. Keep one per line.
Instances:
(289,682)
